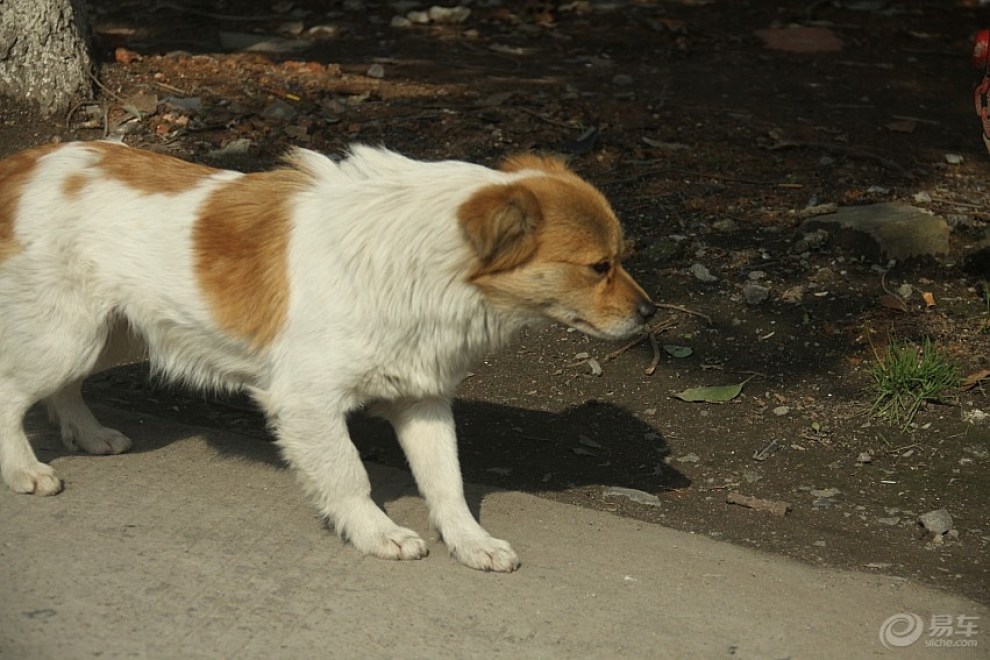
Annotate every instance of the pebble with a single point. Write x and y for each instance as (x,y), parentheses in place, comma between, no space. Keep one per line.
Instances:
(864,457)
(922,197)
(755,294)
(279,110)
(893,522)
(825,492)
(937,522)
(702,274)
(448,15)
(689,458)
(953,159)
(640,496)
(376,71)
(780,411)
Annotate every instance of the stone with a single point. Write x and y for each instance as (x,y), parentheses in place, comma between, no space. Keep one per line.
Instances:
(702,274)
(640,496)
(891,230)
(754,294)
(937,522)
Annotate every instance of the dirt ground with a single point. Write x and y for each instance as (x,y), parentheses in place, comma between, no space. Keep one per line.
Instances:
(709,143)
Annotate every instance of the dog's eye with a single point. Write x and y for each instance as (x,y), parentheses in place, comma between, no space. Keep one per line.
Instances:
(602,267)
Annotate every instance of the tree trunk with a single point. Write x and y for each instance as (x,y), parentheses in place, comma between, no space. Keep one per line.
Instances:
(44,55)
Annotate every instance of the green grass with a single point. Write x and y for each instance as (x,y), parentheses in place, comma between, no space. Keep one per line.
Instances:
(907,375)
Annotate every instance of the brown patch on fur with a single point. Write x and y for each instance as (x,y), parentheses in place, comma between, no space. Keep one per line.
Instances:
(15,172)
(543,162)
(241,242)
(147,171)
(73,185)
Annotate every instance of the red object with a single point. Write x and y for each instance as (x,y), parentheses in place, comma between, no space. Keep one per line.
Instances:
(981,96)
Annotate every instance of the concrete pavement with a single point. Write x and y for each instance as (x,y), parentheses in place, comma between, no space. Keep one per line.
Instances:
(198,545)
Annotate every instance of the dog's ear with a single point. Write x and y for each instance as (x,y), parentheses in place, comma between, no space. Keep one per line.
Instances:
(500,221)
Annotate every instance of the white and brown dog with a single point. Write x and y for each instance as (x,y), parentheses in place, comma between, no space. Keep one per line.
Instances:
(318,288)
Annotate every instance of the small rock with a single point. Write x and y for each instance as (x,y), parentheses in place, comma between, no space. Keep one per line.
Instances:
(825,492)
(418,17)
(905,290)
(640,496)
(751,476)
(975,416)
(238,147)
(279,110)
(892,522)
(864,457)
(953,159)
(448,15)
(780,411)
(588,442)
(922,197)
(702,274)
(937,522)
(754,294)
(376,71)
(819,544)
(688,458)
(755,275)
(812,240)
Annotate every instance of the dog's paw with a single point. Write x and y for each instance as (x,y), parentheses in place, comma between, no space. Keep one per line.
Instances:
(393,543)
(99,440)
(37,479)
(485,553)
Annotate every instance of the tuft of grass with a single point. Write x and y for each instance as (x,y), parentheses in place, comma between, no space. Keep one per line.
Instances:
(907,375)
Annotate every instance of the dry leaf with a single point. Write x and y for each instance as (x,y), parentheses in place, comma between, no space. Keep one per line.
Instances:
(890,301)
(974,379)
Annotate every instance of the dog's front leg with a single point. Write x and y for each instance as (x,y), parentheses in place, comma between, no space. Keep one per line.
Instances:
(426,432)
(318,445)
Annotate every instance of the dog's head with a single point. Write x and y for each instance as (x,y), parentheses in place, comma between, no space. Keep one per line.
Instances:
(549,243)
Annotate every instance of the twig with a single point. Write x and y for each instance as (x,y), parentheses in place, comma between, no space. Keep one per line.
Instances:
(685,310)
(616,353)
(551,120)
(656,354)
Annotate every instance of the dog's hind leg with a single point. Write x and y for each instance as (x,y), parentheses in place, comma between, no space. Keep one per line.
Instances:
(79,428)
(426,432)
(315,441)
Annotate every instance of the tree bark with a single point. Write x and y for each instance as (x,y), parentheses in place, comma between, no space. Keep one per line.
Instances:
(44,54)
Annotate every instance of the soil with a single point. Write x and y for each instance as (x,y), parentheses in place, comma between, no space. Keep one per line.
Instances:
(709,144)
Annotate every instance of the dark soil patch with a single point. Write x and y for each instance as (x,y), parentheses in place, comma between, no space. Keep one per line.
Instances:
(707,143)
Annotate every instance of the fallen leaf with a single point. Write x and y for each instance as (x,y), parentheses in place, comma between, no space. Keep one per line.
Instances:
(714,394)
(974,379)
(800,39)
(678,351)
(890,301)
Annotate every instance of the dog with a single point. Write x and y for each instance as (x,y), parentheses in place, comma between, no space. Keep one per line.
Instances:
(320,287)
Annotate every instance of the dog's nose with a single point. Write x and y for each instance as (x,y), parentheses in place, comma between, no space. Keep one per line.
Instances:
(647,309)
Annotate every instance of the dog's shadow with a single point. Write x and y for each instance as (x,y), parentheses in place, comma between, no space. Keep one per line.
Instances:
(500,446)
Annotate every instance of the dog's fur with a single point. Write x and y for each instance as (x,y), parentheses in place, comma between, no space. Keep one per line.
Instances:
(319,288)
